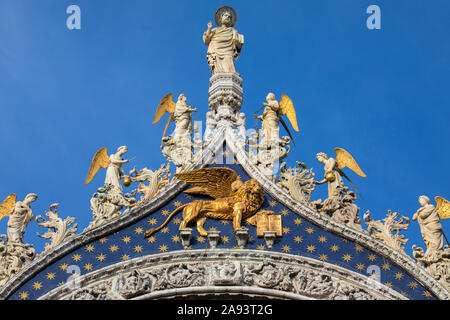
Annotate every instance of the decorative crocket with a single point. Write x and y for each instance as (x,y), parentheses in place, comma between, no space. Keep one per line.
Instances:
(234,200)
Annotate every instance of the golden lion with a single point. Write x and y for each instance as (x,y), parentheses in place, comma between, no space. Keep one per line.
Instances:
(234,200)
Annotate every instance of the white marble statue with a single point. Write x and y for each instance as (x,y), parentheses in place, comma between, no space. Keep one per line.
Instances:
(272,116)
(436,258)
(211,124)
(14,253)
(240,126)
(178,147)
(224,43)
(270,128)
(114,172)
(113,165)
(332,175)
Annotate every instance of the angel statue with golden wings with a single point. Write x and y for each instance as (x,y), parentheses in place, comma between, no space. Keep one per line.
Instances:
(180,112)
(270,128)
(14,253)
(20,215)
(333,171)
(113,165)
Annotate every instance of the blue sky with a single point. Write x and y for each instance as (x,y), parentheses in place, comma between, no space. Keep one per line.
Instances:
(380,94)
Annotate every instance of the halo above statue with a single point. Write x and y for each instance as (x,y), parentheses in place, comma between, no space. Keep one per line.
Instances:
(223,9)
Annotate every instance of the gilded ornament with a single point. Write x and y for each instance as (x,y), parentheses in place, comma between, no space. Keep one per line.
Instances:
(268,222)
(333,167)
(224,42)
(330,177)
(272,115)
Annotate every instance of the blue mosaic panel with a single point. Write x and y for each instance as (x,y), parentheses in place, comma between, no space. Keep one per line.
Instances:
(300,237)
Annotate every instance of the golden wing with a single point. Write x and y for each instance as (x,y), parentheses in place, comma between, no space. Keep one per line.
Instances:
(7,205)
(443,207)
(166,105)
(345,159)
(100,160)
(214,182)
(287,108)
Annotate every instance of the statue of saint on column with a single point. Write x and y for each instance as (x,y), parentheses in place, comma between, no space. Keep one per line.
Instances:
(224,42)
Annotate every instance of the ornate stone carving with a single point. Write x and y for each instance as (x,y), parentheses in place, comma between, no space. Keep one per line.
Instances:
(179,276)
(242,237)
(340,209)
(267,153)
(234,200)
(339,204)
(13,257)
(211,124)
(438,267)
(279,195)
(106,204)
(101,291)
(14,253)
(348,292)
(186,237)
(133,284)
(58,229)
(157,181)
(241,131)
(298,182)
(180,154)
(178,148)
(272,116)
(313,284)
(213,238)
(436,259)
(267,157)
(388,229)
(270,238)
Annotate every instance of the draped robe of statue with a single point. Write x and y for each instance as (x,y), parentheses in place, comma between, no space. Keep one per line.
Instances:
(335,186)
(225,44)
(114,172)
(271,123)
(430,227)
(18,221)
(183,120)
